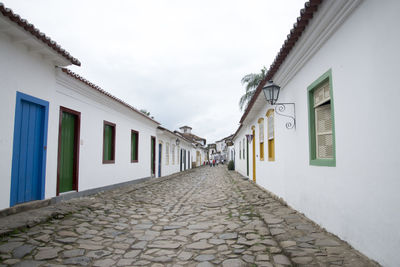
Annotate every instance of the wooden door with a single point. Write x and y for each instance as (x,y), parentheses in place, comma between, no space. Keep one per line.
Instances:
(254,153)
(68,150)
(159,159)
(29,149)
(153,156)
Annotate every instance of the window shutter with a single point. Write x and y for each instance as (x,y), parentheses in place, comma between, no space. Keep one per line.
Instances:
(321,94)
(108,142)
(324,137)
(261,127)
(134,139)
(271,127)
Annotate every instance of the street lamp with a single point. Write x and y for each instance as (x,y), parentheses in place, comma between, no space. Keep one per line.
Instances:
(177,141)
(271,93)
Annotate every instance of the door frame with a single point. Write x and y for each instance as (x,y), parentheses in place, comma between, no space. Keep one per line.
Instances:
(247,154)
(16,145)
(160,145)
(153,160)
(180,161)
(75,181)
(253,128)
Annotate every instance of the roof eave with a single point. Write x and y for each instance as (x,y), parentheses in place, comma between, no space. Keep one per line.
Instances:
(306,14)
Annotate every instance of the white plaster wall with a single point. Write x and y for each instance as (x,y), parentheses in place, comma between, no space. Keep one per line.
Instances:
(172,166)
(187,147)
(23,71)
(358,199)
(95,108)
(240,161)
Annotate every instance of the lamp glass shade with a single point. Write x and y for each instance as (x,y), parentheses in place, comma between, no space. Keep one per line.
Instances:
(177,142)
(271,92)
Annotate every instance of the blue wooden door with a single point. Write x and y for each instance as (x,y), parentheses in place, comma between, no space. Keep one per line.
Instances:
(29,149)
(159,159)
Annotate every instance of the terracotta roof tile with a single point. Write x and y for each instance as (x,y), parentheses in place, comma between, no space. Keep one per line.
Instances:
(30,28)
(306,15)
(102,91)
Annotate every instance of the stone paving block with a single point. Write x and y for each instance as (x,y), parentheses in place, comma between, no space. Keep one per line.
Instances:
(202,217)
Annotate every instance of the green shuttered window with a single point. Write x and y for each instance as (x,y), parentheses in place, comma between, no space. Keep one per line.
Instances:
(109,142)
(321,122)
(134,146)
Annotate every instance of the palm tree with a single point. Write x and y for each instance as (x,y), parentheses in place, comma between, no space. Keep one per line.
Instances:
(251,81)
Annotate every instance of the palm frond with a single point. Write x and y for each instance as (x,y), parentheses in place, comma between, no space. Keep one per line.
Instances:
(251,82)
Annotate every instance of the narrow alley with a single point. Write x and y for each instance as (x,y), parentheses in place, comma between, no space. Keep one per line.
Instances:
(202,217)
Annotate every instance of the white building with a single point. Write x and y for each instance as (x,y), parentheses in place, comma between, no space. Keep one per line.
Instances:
(339,164)
(62,134)
(175,152)
(199,152)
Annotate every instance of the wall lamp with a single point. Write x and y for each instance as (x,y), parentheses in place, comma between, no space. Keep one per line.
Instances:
(177,141)
(271,93)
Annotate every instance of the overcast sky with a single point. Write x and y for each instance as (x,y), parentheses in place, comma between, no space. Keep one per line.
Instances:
(181,60)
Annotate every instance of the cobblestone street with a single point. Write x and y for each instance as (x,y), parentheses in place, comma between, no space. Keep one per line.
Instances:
(203,217)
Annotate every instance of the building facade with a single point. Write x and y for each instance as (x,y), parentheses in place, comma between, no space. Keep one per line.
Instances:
(335,160)
(63,135)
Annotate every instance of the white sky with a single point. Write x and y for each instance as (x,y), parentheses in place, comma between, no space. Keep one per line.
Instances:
(181,60)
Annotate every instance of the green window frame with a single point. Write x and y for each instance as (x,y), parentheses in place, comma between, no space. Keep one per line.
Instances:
(134,146)
(316,160)
(108,142)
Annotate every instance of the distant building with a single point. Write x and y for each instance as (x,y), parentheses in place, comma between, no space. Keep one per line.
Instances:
(199,153)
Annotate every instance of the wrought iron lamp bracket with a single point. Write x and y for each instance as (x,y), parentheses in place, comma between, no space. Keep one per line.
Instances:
(280,109)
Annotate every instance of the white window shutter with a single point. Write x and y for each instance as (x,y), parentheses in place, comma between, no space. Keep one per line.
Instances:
(321,94)
(323,130)
(261,126)
(271,127)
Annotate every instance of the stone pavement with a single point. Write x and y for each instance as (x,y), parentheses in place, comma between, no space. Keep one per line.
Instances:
(203,217)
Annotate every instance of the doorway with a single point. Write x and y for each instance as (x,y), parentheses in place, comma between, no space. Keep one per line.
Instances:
(29,149)
(153,156)
(68,150)
(159,159)
(254,152)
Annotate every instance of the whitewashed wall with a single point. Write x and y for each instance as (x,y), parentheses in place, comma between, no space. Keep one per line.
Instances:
(95,108)
(22,71)
(358,199)
(240,161)
(173,164)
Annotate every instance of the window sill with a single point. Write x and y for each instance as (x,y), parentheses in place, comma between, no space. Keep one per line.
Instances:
(134,161)
(323,162)
(108,161)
